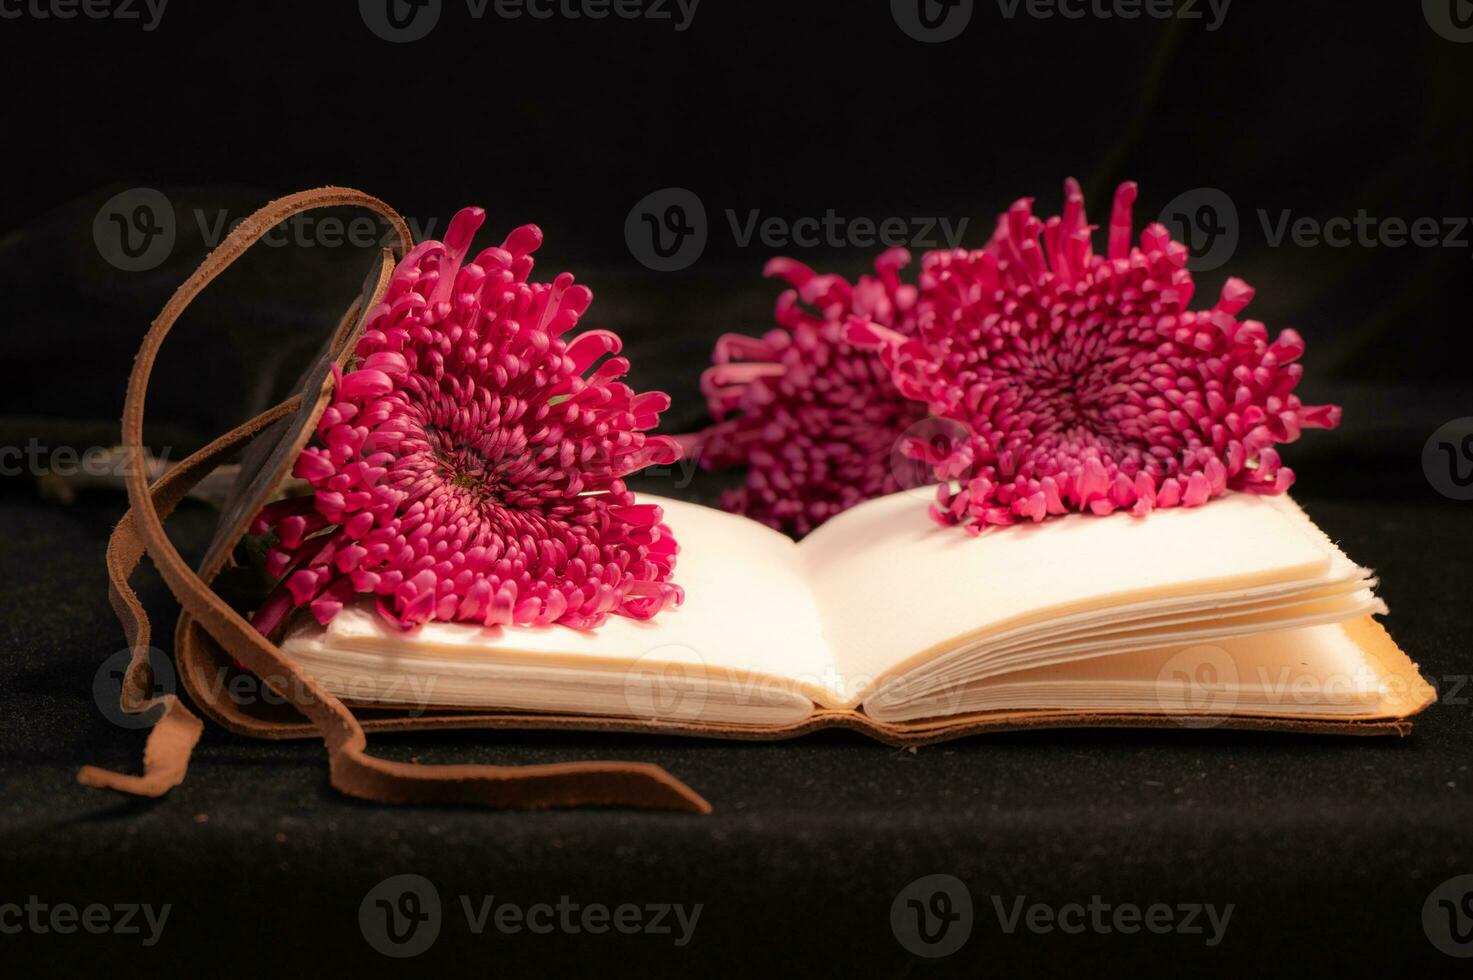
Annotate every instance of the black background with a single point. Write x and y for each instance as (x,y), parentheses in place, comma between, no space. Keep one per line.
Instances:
(791,109)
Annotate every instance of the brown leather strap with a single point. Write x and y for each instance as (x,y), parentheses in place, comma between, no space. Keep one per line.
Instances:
(353,771)
(173,736)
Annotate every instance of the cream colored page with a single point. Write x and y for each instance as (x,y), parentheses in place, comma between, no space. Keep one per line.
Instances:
(1312,665)
(895,589)
(748,614)
(1315,670)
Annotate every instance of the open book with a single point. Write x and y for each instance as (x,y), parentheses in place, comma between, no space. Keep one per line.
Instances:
(1241,608)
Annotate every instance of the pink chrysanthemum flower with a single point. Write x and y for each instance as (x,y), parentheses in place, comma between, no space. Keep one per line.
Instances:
(469,469)
(1082,382)
(815,420)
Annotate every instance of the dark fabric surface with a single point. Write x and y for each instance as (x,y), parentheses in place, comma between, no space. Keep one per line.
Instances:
(1327,848)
